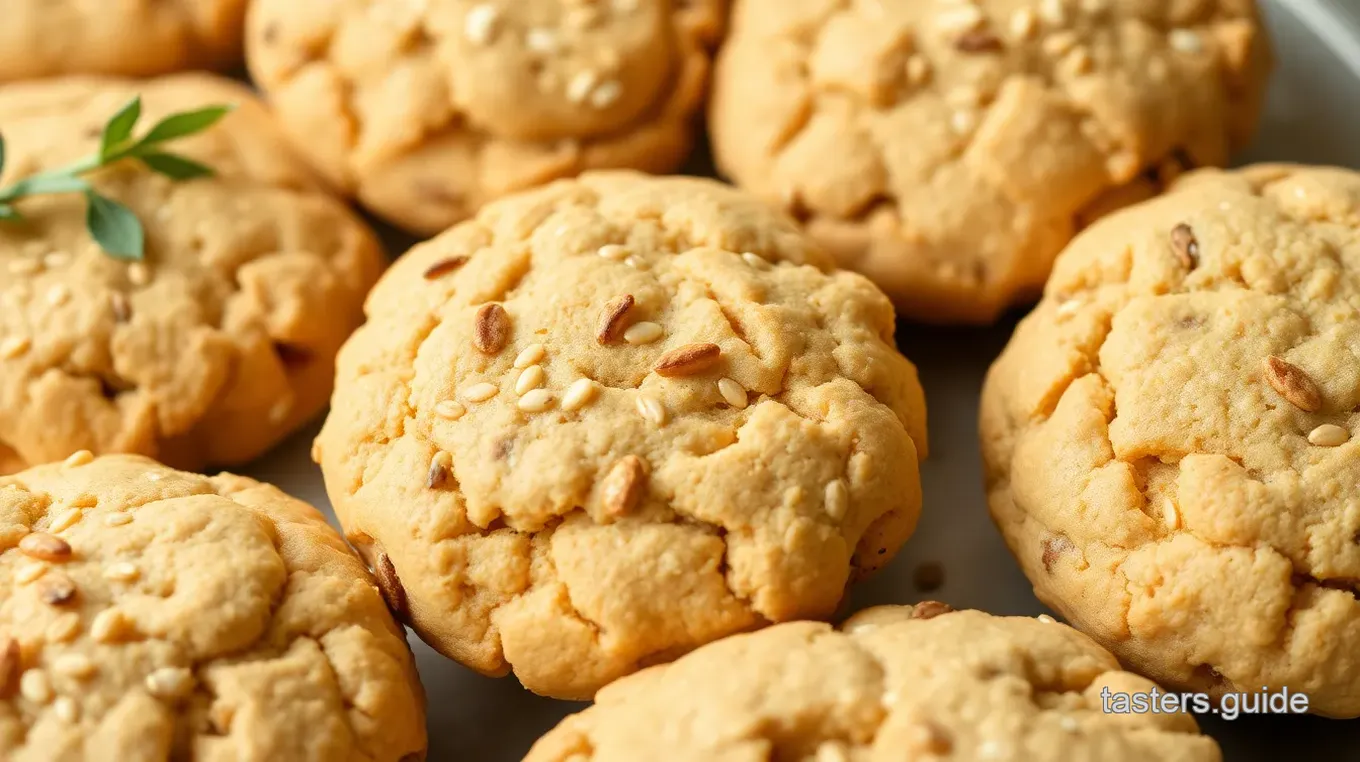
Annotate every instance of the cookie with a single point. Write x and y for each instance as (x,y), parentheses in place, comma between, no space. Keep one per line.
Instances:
(613,419)
(151,614)
(1168,436)
(217,345)
(42,38)
(426,111)
(949,151)
(896,682)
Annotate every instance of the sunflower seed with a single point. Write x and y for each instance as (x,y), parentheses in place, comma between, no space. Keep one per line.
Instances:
(613,318)
(491,329)
(1293,384)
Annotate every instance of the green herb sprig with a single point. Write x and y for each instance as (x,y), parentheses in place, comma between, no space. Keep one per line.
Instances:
(112,225)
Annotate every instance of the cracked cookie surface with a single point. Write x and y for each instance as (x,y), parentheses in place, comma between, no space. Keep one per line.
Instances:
(149,614)
(427,110)
(950,150)
(613,419)
(1168,436)
(43,38)
(217,345)
(897,682)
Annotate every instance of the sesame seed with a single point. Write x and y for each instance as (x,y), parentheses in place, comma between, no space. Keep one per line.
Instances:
(1186,41)
(14,346)
(77,666)
(837,499)
(63,628)
(480,23)
(56,589)
(1024,23)
(606,94)
(530,378)
(581,85)
(123,571)
(532,355)
(109,625)
(613,251)
(450,409)
(480,392)
(1046,619)
(118,519)
(138,274)
(651,409)
(45,547)
(536,401)
(1171,515)
(643,333)
(65,520)
(755,260)
(732,392)
(58,295)
(66,709)
(1329,435)
(78,458)
(170,682)
(542,40)
(24,266)
(35,686)
(29,572)
(1070,306)
(579,394)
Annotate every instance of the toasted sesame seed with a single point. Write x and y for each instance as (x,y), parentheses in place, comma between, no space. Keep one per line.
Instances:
(613,318)
(123,571)
(78,666)
(35,686)
(63,628)
(450,409)
(622,488)
(542,40)
(651,409)
(643,333)
(65,520)
(755,260)
(491,328)
(532,355)
(930,610)
(1292,383)
(443,267)
(1329,435)
(58,295)
(441,468)
(30,572)
(14,346)
(78,458)
(66,709)
(732,392)
(56,588)
(1171,515)
(613,251)
(978,41)
(535,401)
(837,499)
(530,378)
(581,85)
(688,360)
(480,392)
(1046,619)
(1186,41)
(606,94)
(138,274)
(110,625)
(1024,23)
(480,23)
(170,683)
(45,547)
(25,266)
(581,392)
(118,519)
(1186,246)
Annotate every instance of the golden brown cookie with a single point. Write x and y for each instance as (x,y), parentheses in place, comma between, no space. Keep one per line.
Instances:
(613,419)
(149,614)
(43,38)
(1168,435)
(216,346)
(427,110)
(896,683)
(948,150)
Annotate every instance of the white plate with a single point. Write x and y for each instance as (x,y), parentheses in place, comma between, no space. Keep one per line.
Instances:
(1313,116)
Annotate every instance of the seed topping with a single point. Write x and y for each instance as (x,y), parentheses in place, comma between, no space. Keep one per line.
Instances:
(1186,246)
(930,609)
(1293,384)
(491,329)
(837,499)
(624,485)
(581,392)
(440,470)
(168,683)
(643,333)
(480,392)
(1329,435)
(732,393)
(444,267)
(45,547)
(688,360)
(613,318)
(535,401)
(651,409)
(530,378)
(532,355)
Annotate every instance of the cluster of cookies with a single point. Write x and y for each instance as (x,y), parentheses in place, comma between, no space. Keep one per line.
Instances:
(605,425)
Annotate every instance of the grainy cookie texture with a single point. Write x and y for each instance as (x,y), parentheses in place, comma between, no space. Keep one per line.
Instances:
(616,418)
(1168,437)
(948,150)
(42,38)
(148,614)
(218,344)
(896,683)
(427,109)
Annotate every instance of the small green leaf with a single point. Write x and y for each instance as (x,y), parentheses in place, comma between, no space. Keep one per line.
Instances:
(114,227)
(45,183)
(187,123)
(119,128)
(176,167)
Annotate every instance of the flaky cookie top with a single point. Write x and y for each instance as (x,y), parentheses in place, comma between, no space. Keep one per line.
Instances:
(615,418)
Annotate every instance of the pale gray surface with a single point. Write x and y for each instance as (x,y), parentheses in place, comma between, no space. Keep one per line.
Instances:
(1313,116)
